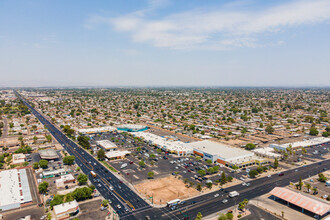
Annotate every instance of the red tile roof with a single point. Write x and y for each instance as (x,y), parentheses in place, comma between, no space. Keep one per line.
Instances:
(300,200)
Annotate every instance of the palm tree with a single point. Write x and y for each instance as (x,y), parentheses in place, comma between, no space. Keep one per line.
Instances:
(308,186)
(314,190)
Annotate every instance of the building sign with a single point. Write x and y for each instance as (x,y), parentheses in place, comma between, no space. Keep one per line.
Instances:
(208,155)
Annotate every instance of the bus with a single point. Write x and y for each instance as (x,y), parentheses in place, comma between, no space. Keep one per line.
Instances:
(173,202)
(93,173)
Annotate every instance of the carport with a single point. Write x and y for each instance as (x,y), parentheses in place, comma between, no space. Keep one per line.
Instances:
(304,202)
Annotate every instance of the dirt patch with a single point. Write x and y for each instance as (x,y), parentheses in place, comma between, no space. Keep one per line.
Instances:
(165,189)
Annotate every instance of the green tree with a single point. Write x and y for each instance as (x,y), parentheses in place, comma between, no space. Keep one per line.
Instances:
(201,172)
(151,174)
(105,203)
(269,129)
(326,134)
(84,142)
(199,216)
(229,178)
(276,163)
(222,217)
(303,150)
(223,178)
(209,161)
(82,178)
(308,186)
(101,154)
(215,169)
(229,215)
(253,173)
(142,163)
(82,193)
(35,138)
(69,160)
(199,187)
(43,187)
(315,190)
(300,183)
(58,199)
(210,170)
(49,138)
(35,165)
(250,146)
(43,164)
(322,178)
(313,131)
(209,185)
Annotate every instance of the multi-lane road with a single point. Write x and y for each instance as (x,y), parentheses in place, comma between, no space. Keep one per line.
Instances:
(122,197)
(136,208)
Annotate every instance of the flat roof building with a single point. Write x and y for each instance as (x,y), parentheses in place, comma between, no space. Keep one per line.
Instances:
(177,147)
(66,210)
(18,158)
(304,143)
(116,154)
(107,145)
(97,130)
(48,154)
(132,127)
(14,189)
(65,179)
(224,154)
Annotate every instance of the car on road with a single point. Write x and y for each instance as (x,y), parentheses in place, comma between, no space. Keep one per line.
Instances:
(224,201)
(216,195)
(118,206)
(281,174)
(269,176)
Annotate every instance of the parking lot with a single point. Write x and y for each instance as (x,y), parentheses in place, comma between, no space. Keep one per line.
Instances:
(313,154)
(91,210)
(160,163)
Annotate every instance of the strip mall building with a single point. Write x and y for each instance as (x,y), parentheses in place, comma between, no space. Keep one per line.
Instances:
(226,155)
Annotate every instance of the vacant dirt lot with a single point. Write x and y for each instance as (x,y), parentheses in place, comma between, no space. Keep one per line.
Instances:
(165,189)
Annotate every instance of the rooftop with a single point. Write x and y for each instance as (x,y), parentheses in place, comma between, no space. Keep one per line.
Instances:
(12,194)
(300,200)
(112,154)
(48,154)
(65,207)
(106,144)
(306,143)
(97,130)
(219,149)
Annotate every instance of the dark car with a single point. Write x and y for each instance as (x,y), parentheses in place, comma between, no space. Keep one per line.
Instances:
(281,174)
(193,202)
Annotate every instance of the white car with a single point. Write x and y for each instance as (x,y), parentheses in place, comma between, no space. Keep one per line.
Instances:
(118,206)
(224,201)
(269,176)
(216,195)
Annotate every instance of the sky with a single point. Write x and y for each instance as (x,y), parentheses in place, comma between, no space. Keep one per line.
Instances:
(111,43)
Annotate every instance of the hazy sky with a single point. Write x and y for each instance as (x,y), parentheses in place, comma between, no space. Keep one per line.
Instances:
(164,43)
